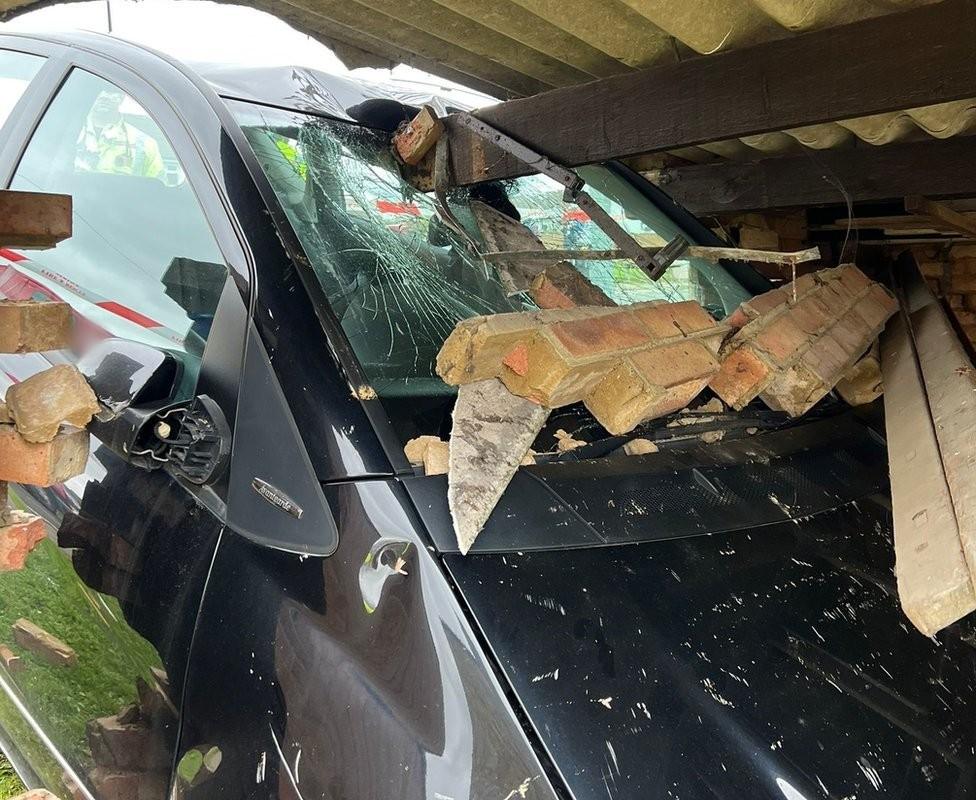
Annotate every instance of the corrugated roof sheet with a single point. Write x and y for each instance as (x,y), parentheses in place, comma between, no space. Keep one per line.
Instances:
(510,48)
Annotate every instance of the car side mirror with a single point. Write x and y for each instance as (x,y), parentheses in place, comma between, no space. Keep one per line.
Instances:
(126,374)
(136,384)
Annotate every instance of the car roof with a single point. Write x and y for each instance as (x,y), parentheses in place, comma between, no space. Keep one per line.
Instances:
(293,87)
(311,90)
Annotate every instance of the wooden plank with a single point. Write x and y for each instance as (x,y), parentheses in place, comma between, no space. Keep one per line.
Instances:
(868,67)
(941,215)
(934,168)
(935,587)
(33,219)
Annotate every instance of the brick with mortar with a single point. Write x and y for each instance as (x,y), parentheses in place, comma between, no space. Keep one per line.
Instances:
(651,383)
(793,354)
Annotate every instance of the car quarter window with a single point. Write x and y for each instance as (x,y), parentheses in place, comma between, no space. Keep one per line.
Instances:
(142,263)
(16,72)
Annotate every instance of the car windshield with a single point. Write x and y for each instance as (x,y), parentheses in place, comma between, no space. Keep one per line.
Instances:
(399,277)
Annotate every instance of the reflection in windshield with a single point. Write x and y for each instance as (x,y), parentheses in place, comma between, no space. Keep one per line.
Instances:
(399,278)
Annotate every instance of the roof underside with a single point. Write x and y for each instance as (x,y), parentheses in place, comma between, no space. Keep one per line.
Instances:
(512,48)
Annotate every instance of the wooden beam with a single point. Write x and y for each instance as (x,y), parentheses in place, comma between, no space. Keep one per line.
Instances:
(934,168)
(888,63)
(941,215)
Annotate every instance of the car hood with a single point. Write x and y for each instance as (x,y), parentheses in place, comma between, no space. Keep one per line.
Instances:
(718,623)
(771,663)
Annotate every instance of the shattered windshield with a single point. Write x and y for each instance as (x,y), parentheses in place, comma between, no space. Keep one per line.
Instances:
(399,276)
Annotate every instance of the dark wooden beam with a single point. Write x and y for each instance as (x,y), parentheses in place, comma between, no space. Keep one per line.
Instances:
(933,168)
(889,63)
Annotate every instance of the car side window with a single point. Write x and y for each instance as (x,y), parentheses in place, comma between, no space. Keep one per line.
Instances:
(16,72)
(142,263)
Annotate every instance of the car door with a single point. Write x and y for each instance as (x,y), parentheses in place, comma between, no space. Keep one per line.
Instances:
(119,578)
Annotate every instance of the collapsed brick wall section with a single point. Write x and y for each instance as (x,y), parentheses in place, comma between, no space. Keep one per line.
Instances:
(625,364)
(795,343)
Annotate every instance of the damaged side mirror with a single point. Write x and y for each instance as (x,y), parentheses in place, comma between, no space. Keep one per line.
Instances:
(136,385)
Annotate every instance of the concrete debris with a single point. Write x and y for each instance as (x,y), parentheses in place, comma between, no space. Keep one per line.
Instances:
(10,660)
(710,437)
(862,383)
(18,537)
(626,364)
(31,326)
(491,435)
(43,402)
(795,343)
(565,441)
(49,648)
(42,464)
(414,139)
(640,447)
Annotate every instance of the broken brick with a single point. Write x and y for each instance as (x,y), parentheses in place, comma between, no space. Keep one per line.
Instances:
(414,449)
(114,743)
(34,219)
(413,140)
(17,538)
(795,351)
(43,402)
(11,661)
(437,458)
(650,384)
(42,464)
(113,784)
(31,326)
(49,648)
(561,285)
(154,700)
(558,357)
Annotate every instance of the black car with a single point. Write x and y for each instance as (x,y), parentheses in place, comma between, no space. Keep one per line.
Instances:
(265,599)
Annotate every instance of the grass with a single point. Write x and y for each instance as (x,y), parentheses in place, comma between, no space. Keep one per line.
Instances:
(10,784)
(111,655)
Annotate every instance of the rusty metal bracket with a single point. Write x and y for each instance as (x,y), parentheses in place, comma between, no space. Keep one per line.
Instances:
(654,265)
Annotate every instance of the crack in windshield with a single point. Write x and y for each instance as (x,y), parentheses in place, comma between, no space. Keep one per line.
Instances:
(399,279)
